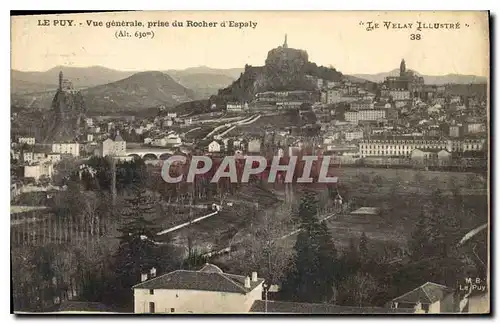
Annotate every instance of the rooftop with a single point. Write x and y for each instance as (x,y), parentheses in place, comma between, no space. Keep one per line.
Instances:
(431,150)
(428,293)
(209,278)
(366,211)
(306,308)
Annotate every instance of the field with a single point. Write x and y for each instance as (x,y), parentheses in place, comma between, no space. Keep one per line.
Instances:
(399,194)
(442,180)
(215,232)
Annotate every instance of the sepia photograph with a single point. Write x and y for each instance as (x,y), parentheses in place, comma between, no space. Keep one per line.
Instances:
(250,162)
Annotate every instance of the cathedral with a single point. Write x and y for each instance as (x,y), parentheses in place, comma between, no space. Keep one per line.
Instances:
(407,80)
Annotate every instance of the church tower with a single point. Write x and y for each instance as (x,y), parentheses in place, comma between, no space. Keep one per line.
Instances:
(402,67)
(285,44)
(60,80)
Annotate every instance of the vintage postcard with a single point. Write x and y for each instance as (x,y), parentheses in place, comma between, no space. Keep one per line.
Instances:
(246,162)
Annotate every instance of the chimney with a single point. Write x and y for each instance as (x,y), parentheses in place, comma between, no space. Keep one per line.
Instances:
(153,272)
(247,282)
(254,276)
(144,277)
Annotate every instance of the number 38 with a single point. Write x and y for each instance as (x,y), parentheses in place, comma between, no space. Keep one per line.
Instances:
(415,37)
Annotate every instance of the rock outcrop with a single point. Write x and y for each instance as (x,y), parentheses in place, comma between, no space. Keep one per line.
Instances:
(285,69)
(65,118)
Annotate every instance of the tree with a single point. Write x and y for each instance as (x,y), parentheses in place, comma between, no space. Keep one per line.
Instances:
(378,181)
(312,271)
(363,247)
(433,244)
(419,240)
(138,251)
(262,246)
(358,290)
(64,171)
(418,178)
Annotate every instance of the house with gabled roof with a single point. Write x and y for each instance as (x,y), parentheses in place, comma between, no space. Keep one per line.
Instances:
(208,290)
(429,298)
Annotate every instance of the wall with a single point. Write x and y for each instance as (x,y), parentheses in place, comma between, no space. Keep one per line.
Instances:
(36,171)
(32,171)
(194,301)
(479,304)
(447,304)
(434,308)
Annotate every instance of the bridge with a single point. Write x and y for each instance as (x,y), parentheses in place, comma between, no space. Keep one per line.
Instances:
(149,153)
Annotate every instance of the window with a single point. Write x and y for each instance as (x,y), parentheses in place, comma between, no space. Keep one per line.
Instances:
(151,307)
(151,291)
(172,310)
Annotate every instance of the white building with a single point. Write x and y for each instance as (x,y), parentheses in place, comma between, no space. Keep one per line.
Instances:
(429,298)
(324,97)
(118,147)
(364,115)
(39,157)
(234,106)
(280,153)
(354,135)
(38,170)
(28,157)
(361,105)
(473,145)
(399,146)
(334,96)
(208,290)
(89,122)
(331,84)
(26,140)
(66,148)
(214,146)
(399,94)
(475,128)
(160,141)
(173,139)
(254,146)
(455,130)
(54,157)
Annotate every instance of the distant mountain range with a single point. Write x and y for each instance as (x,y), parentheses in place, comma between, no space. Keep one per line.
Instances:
(429,79)
(112,90)
(81,77)
(205,81)
(141,90)
(36,89)
(231,73)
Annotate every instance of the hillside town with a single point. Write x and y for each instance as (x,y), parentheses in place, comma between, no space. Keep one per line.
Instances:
(404,122)
(406,154)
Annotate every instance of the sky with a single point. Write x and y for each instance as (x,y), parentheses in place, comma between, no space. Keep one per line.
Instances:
(336,38)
